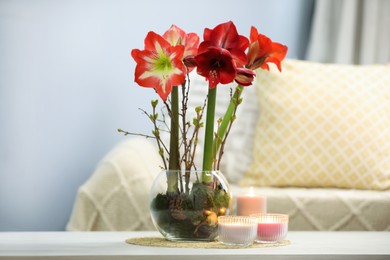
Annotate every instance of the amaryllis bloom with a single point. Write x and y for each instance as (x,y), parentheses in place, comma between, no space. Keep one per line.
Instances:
(225,36)
(176,36)
(216,65)
(245,76)
(160,65)
(263,51)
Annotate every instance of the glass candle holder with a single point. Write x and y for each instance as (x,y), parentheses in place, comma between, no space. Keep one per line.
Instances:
(237,230)
(271,227)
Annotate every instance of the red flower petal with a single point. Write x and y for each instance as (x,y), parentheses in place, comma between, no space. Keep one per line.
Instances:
(239,57)
(160,65)
(216,65)
(155,42)
(176,36)
(225,36)
(207,34)
(277,55)
(253,34)
(262,51)
(191,43)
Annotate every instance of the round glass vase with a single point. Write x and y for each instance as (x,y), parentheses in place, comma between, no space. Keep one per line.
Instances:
(185,205)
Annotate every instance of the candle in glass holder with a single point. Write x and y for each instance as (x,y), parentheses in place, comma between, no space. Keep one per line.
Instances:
(237,230)
(251,203)
(271,227)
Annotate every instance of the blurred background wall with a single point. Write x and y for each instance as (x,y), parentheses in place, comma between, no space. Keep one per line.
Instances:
(66,85)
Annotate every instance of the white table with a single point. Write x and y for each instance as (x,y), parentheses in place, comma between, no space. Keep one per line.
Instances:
(111,245)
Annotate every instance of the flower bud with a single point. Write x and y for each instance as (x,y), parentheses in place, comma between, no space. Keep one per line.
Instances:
(190,61)
(245,76)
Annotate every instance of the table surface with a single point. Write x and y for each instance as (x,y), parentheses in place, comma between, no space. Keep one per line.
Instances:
(112,245)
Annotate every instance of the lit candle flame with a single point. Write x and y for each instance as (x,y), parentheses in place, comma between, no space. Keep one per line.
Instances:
(251,191)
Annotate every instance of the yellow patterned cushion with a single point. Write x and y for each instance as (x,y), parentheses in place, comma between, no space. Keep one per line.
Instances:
(322,125)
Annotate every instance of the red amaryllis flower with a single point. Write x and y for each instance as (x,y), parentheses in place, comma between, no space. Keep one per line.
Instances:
(244,76)
(160,65)
(225,36)
(176,36)
(216,65)
(263,51)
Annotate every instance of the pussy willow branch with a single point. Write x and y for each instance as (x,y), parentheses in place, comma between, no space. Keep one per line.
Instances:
(194,139)
(184,102)
(164,121)
(135,134)
(156,132)
(165,129)
(168,108)
(187,145)
(160,143)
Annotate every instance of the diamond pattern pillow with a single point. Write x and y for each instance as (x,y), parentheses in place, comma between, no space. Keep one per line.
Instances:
(322,125)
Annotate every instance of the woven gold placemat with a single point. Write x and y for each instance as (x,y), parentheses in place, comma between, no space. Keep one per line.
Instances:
(162,242)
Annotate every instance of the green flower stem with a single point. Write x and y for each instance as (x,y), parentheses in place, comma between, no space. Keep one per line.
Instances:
(227,118)
(208,155)
(174,163)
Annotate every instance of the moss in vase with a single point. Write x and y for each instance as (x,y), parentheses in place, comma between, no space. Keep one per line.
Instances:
(202,196)
(160,202)
(221,199)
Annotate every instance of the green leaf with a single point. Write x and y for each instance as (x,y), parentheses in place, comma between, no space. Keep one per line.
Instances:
(154,103)
(198,109)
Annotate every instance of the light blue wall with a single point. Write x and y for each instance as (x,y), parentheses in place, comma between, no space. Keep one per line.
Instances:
(66,85)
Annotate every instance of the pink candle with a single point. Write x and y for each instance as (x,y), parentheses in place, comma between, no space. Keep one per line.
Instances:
(271,227)
(251,203)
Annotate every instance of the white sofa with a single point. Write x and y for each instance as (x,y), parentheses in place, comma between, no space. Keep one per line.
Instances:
(116,195)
